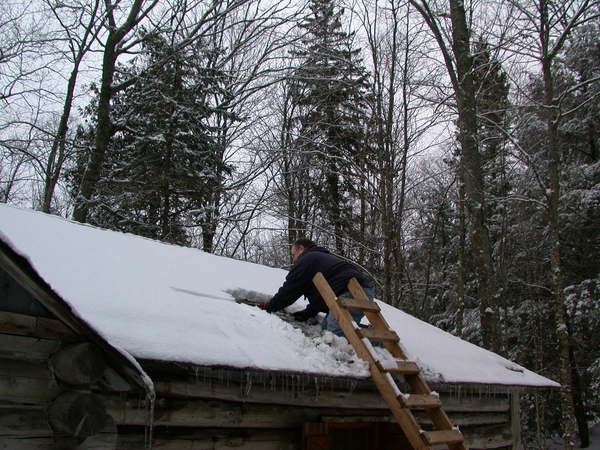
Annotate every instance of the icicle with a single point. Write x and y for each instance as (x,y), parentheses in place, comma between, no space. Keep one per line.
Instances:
(149,427)
(248,384)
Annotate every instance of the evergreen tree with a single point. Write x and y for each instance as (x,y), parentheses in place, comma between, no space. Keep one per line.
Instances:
(330,89)
(163,166)
(492,90)
(576,140)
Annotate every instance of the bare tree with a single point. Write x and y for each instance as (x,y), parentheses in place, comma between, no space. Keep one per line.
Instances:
(400,82)
(457,57)
(23,44)
(25,63)
(80,23)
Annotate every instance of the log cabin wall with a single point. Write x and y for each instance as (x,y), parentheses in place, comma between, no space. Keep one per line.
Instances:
(58,391)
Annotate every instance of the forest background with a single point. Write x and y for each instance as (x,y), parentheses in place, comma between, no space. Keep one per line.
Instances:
(451,149)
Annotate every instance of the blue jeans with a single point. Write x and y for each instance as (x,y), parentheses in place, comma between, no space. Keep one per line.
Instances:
(330,324)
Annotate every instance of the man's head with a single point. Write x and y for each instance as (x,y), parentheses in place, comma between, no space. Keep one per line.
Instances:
(299,246)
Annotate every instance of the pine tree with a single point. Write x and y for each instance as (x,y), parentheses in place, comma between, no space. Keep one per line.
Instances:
(492,91)
(330,88)
(163,165)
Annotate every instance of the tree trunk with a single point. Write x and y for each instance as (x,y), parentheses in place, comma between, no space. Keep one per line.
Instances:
(57,153)
(462,244)
(553,198)
(473,178)
(103,135)
(579,406)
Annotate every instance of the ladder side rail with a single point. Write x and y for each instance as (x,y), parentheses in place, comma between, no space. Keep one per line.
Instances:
(376,319)
(403,416)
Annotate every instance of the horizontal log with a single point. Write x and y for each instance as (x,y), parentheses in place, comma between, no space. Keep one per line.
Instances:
(214,413)
(488,436)
(459,419)
(104,441)
(32,383)
(257,394)
(27,369)
(41,327)
(27,348)
(27,390)
(217,439)
(339,399)
(24,422)
(28,429)
(107,441)
(101,441)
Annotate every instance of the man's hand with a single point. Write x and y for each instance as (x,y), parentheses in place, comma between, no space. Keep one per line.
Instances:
(301,316)
(263,305)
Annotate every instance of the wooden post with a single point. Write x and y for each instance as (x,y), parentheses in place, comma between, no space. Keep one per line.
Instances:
(515,418)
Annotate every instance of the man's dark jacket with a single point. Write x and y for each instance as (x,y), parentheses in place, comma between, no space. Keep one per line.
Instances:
(298,282)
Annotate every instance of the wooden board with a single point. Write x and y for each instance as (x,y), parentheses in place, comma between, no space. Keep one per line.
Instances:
(343,399)
(26,348)
(41,327)
(214,413)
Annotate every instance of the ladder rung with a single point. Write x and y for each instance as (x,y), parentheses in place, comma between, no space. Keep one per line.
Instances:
(403,368)
(361,305)
(422,401)
(443,437)
(375,334)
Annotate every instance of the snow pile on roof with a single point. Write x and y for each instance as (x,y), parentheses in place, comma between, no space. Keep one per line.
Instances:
(164,302)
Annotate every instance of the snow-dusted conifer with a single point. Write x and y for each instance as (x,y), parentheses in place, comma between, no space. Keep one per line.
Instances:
(330,88)
(162,165)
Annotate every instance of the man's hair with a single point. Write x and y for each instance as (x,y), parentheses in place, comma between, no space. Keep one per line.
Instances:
(303,242)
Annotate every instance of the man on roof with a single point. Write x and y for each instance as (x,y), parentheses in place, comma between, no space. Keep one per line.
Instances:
(308,259)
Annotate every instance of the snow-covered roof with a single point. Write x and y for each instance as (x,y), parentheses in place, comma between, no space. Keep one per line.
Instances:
(170,303)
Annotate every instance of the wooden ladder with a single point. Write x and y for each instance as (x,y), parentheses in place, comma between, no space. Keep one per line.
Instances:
(399,403)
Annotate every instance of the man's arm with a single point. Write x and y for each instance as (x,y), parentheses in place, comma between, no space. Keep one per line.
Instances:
(293,287)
